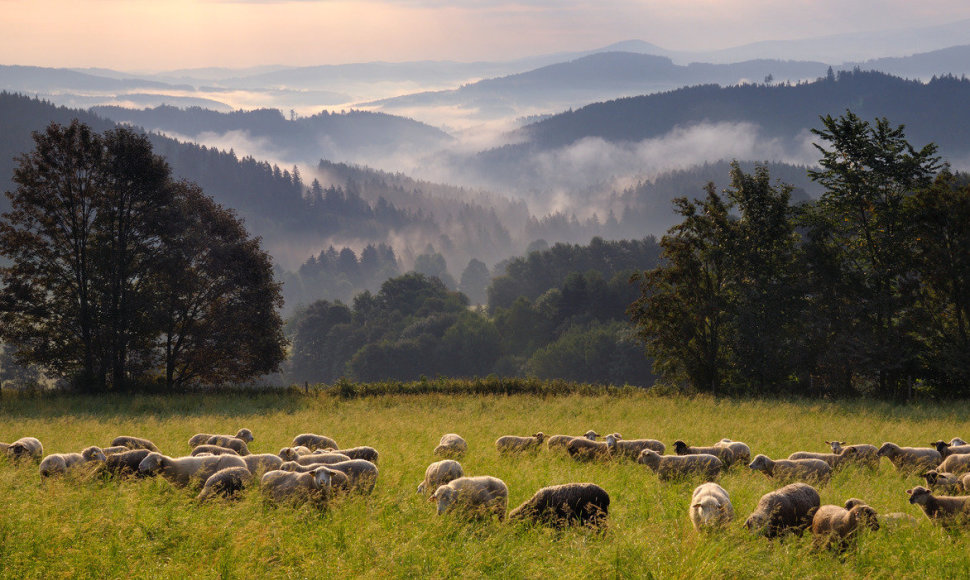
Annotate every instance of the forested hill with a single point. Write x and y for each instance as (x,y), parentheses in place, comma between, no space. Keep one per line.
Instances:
(932,112)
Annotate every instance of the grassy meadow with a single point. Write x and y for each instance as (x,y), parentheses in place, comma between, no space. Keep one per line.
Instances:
(81,526)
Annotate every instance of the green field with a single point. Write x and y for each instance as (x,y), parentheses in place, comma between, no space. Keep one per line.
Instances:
(92,527)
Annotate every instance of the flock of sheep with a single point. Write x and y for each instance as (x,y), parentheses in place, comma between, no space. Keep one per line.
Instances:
(314,468)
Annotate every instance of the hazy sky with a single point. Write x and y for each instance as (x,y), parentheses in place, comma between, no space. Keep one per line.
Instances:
(166,34)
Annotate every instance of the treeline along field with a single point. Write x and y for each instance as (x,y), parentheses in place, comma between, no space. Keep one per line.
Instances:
(88,526)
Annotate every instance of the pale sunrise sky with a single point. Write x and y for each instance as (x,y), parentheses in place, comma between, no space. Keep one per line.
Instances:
(153,35)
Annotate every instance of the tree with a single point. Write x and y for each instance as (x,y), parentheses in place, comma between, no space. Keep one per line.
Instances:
(861,237)
(100,240)
(474,281)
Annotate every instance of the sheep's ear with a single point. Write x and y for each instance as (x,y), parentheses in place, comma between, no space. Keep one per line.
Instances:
(696,505)
(432,498)
(909,491)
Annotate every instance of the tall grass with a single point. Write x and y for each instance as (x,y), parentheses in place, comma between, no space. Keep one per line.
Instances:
(81,526)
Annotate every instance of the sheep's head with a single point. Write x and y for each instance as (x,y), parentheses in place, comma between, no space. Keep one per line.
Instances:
(940,446)
(591,435)
(888,450)
(919,495)
(321,478)
(835,445)
(288,454)
(540,436)
(853,502)
(611,440)
(150,463)
(246,435)
(445,495)
(93,454)
(866,516)
(649,458)
(709,510)
(957,441)
(757,521)
(760,463)
(680,448)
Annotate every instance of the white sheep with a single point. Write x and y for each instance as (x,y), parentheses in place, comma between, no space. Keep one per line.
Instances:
(515,444)
(314,441)
(559,442)
(836,461)
(440,473)
(200,438)
(234,443)
(864,454)
(23,448)
(361,474)
(805,470)
(59,463)
(291,486)
(320,457)
(631,448)
(338,479)
(182,471)
(910,458)
(451,445)
(478,495)
(212,450)
(955,464)
(945,510)
(583,449)
(669,467)
(742,453)
(259,463)
(725,454)
(133,443)
(710,506)
(942,481)
(291,453)
(361,452)
(225,483)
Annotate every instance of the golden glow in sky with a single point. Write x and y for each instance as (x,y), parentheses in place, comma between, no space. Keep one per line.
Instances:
(150,35)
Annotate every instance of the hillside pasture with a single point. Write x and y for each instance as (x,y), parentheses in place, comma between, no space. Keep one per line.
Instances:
(84,525)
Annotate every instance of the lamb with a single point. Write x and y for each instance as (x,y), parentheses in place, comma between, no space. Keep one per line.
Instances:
(362,452)
(291,453)
(451,445)
(670,467)
(584,504)
(864,455)
(24,448)
(559,442)
(200,438)
(181,471)
(479,495)
(631,448)
(514,444)
(835,525)
(910,458)
(134,443)
(234,443)
(314,441)
(725,454)
(834,460)
(212,450)
(742,453)
(942,481)
(125,464)
(955,464)
(59,463)
(440,473)
(262,462)
(945,510)
(584,449)
(789,509)
(804,470)
(710,506)
(289,486)
(225,483)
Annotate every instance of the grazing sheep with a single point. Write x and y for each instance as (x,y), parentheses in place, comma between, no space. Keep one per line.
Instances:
(947,449)
(725,454)
(789,509)
(559,442)
(59,463)
(945,510)
(362,452)
(294,487)
(864,455)
(742,453)
(225,483)
(804,470)
(710,506)
(440,473)
(212,450)
(115,450)
(314,441)
(896,520)
(670,467)
(260,463)
(514,444)
(362,474)
(910,458)
(338,479)
(631,448)
(201,438)
(835,460)
(23,448)
(955,464)
(230,442)
(182,471)
(584,449)
(942,481)
(451,445)
(320,458)
(965,482)
(479,495)
(133,443)
(584,504)
(125,464)
(291,453)
(836,525)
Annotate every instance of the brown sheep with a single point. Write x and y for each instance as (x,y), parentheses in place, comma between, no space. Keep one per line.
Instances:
(669,467)
(945,510)
(804,470)
(835,525)
(126,464)
(225,483)
(910,459)
(942,481)
(725,454)
(789,509)
(584,504)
